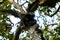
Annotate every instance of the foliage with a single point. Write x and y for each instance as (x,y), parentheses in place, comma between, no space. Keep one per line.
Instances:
(41,20)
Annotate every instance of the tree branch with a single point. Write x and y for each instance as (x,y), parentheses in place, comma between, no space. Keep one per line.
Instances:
(18,31)
(55,12)
(19,7)
(12,12)
(52,24)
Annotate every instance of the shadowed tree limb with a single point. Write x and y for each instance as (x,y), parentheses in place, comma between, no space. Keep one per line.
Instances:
(12,12)
(32,7)
(55,12)
(18,31)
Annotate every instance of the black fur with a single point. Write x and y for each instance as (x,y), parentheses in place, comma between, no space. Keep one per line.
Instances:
(28,19)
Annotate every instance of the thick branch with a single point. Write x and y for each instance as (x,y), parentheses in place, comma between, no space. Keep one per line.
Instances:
(19,7)
(18,31)
(12,12)
(32,7)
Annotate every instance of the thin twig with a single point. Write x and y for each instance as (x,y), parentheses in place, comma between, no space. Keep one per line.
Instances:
(52,24)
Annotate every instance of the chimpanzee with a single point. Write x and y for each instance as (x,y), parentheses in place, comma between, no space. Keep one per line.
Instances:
(28,19)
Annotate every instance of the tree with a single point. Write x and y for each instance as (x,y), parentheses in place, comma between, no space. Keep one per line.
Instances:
(28,23)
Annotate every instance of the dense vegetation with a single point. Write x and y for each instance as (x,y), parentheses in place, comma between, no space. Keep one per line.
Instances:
(38,19)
